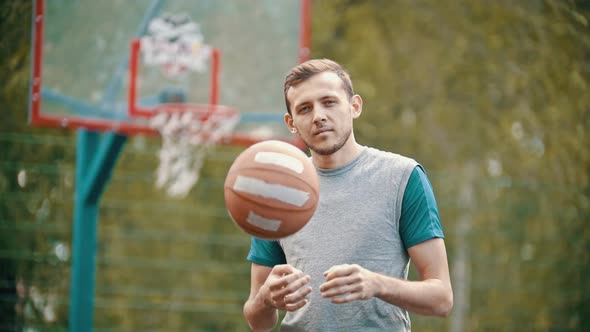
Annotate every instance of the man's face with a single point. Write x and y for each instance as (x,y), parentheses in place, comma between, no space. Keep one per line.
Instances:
(322,113)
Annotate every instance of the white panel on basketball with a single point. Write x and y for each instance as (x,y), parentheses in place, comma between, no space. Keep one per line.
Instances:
(279,159)
(262,222)
(264,189)
(271,190)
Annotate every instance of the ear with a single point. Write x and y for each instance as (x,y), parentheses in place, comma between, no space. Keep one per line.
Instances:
(356,106)
(289,122)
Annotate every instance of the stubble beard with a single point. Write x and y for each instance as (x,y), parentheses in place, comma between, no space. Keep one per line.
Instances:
(330,149)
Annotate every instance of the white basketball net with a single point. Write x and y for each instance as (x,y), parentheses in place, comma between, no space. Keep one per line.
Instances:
(175,43)
(185,142)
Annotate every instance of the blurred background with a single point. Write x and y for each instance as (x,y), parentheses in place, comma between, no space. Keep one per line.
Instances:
(490,96)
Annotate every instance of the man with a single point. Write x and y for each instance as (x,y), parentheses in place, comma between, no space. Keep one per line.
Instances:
(346,269)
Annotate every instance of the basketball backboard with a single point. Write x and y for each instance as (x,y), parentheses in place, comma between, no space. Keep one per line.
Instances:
(98,64)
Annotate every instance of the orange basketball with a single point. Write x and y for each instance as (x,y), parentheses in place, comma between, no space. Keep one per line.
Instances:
(271,190)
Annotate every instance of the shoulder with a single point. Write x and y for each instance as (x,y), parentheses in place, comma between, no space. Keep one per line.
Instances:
(420,219)
(386,156)
(386,160)
(418,184)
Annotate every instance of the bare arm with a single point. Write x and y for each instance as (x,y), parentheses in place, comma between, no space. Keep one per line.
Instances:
(281,287)
(431,295)
(260,316)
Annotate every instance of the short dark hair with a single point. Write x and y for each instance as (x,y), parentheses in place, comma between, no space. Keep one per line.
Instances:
(313,67)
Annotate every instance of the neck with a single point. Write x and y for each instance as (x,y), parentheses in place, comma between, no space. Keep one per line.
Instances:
(346,154)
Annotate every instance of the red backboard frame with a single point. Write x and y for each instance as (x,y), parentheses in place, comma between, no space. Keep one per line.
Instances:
(135,110)
(128,127)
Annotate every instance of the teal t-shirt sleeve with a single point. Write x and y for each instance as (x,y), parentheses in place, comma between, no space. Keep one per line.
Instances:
(266,252)
(420,220)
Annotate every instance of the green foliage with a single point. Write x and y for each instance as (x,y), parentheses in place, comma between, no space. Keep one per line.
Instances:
(21,207)
(492,98)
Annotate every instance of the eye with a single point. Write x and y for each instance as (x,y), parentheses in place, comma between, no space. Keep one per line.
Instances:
(329,102)
(303,109)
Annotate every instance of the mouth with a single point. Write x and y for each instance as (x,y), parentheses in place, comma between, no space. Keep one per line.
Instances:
(321,131)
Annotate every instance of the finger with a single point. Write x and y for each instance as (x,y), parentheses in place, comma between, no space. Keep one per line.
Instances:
(338,271)
(346,298)
(297,296)
(331,269)
(292,286)
(285,280)
(337,282)
(284,269)
(293,301)
(295,306)
(340,290)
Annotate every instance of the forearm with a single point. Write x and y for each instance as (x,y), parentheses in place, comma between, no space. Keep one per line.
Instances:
(431,297)
(260,317)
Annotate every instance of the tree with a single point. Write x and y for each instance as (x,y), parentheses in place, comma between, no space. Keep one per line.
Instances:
(491,97)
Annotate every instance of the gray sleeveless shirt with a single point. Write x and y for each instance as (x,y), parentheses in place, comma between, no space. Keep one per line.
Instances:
(356,222)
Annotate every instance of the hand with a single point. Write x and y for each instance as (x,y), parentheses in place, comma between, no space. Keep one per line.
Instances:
(286,288)
(347,283)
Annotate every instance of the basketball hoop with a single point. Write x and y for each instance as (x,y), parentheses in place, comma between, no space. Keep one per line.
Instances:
(189,132)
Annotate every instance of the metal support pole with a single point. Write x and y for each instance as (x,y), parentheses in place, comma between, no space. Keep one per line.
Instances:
(95,159)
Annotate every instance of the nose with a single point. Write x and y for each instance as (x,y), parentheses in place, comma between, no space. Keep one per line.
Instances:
(319,114)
